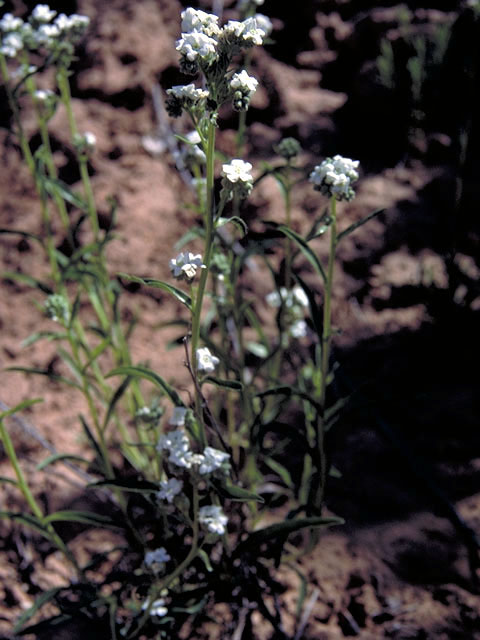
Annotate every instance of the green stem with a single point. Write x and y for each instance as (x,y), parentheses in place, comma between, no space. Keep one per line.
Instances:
(64,86)
(30,499)
(325,356)
(207,256)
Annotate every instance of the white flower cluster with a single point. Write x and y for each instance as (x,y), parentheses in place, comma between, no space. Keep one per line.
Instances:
(41,31)
(334,177)
(236,179)
(184,97)
(213,518)
(185,265)
(178,446)
(243,87)
(294,302)
(85,143)
(202,41)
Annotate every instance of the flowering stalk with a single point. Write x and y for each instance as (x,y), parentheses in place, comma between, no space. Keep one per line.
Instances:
(325,351)
(207,256)
(64,86)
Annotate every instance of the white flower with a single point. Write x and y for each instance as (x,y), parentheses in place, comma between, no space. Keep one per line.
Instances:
(10,23)
(213,460)
(264,23)
(334,176)
(191,152)
(43,13)
(46,34)
(90,139)
(197,45)
(299,329)
(205,360)
(158,607)
(43,94)
(243,82)
(237,171)
(178,417)
(158,556)
(74,25)
(185,265)
(295,296)
(246,33)
(11,45)
(197,20)
(169,489)
(214,519)
(188,92)
(300,297)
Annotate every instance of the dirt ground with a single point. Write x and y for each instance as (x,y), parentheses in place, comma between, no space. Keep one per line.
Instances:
(406,298)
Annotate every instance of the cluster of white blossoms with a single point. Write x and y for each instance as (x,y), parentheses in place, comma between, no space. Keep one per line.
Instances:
(334,177)
(213,518)
(42,31)
(85,143)
(243,87)
(294,302)
(206,46)
(180,455)
(185,96)
(185,265)
(236,179)
(57,308)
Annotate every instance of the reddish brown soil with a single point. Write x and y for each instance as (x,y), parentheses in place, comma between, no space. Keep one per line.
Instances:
(408,444)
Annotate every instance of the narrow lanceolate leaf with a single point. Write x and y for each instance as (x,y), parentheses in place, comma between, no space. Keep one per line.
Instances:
(23,234)
(44,335)
(304,248)
(236,385)
(20,407)
(290,391)
(180,295)
(238,222)
(53,186)
(358,224)
(144,372)
(84,517)
(58,457)
(284,529)
(27,520)
(26,279)
(237,494)
(48,374)
(47,596)
(135,486)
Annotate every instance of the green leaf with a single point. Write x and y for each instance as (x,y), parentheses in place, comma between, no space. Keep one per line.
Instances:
(57,457)
(48,374)
(236,385)
(92,442)
(26,279)
(53,186)
(205,559)
(235,493)
(41,335)
(180,295)
(27,520)
(4,480)
(304,248)
(285,528)
(143,372)
(259,350)
(236,220)
(358,224)
(45,597)
(133,485)
(20,407)
(114,400)
(85,517)
(24,234)
(281,471)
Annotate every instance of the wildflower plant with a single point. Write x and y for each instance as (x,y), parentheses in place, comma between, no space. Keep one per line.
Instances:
(190,487)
